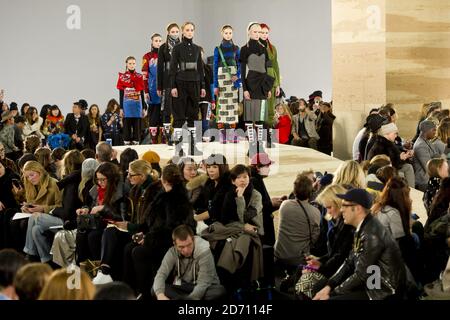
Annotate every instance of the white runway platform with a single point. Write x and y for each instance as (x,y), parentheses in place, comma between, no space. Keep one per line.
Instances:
(289,161)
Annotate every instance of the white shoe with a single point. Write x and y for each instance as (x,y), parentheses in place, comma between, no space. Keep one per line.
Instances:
(101,278)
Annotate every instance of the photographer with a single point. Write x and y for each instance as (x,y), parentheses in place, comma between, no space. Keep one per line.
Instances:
(112,123)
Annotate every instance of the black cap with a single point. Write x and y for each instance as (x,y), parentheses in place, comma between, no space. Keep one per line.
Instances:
(374,122)
(359,196)
(83,104)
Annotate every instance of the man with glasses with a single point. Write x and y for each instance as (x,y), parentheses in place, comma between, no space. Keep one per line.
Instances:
(192,263)
(374,268)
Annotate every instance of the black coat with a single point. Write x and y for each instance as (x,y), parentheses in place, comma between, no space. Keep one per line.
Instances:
(268,208)
(6,194)
(339,244)
(325,132)
(168,210)
(214,196)
(373,245)
(384,146)
(81,127)
(70,200)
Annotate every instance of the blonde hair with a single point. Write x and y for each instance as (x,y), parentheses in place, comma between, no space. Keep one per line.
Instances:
(144,168)
(350,173)
(30,190)
(31,279)
(328,195)
(64,284)
(72,161)
(286,109)
(184,25)
(424,110)
(443,130)
(433,167)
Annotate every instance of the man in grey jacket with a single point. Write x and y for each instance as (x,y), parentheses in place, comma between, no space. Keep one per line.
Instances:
(191,263)
(304,128)
(424,151)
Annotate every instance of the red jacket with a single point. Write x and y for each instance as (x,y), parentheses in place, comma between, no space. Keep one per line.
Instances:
(130,80)
(284,129)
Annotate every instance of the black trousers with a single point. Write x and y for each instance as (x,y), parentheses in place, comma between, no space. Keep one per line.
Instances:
(132,129)
(113,244)
(18,233)
(154,115)
(166,105)
(185,106)
(89,245)
(129,274)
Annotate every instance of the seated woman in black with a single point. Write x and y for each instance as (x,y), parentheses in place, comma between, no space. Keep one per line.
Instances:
(170,209)
(108,200)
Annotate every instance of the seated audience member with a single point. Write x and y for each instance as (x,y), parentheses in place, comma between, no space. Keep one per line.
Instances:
(350,173)
(304,128)
(283,123)
(112,123)
(76,126)
(42,196)
(30,280)
(339,237)
(19,124)
(192,263)
(57,287)
(153,158)
(32,143)
(384,144)
(6,161)
(437,170)
(213,193)
(393,210)
(43,156)
(126,157)
(8,204)
(170,209)
(374,184)
(33,124)
(88,153)
(324,125)
(372,245)
(54,122)
(374,124)
(7,133)
(10,262)
(104,153)
(427,110)
(362,134)
(193,180)
(298,226)
(114,291)
(424,151)
(442,137)
(108,201)
(57,156)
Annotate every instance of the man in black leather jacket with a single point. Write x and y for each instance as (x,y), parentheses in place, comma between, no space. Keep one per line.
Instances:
(374,268)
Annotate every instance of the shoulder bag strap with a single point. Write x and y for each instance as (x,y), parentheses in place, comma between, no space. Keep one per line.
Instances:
(307,219)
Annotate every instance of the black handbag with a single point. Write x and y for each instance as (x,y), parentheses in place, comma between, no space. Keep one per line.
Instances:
(86,222)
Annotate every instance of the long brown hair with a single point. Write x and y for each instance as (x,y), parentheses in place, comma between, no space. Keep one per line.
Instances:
(95,120)
(112,173)
(396,195)
(110,106)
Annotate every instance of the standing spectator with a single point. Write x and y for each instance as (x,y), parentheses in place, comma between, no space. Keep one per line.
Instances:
(94,135)
(76,126)
(132,101)
(112,123)
(33,124)
(283,123)
(372,245)
(325,128)
(304,128)
(424,151)
(199,280)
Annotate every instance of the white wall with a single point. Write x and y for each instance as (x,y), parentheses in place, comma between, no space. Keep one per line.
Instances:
(42,61)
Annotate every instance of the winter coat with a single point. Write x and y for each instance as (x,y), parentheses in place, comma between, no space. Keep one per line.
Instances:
(71,202)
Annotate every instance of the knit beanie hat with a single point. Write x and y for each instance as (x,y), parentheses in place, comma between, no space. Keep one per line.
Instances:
(426,126)
(151,157)
(387,129)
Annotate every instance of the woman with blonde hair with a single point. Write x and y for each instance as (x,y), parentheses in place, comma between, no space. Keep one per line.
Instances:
(68,284)
(350,173)
(43,196)
(43,156)
(339,236)
(283,122)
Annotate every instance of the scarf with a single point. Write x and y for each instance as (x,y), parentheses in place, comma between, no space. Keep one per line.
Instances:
(100,195)
(171,43)
(256,47)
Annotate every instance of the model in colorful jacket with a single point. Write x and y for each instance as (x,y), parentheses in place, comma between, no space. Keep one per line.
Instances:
(257,85)
(227,74)
(163,85)
(186,76)
(149,71)
(273,70)
(132,101)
